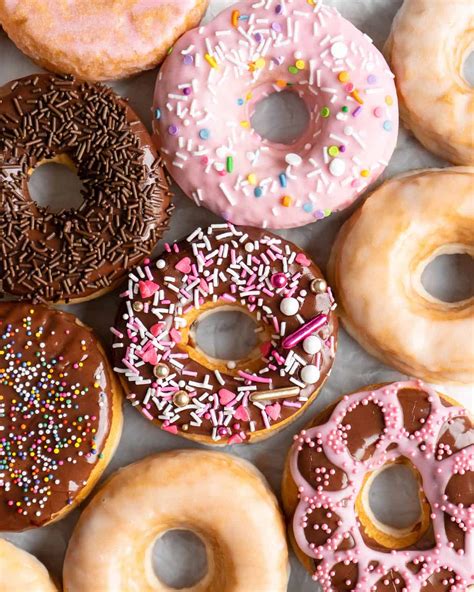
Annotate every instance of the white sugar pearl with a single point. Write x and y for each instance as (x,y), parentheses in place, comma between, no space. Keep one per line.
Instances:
(348,130)
(231,365)
(219,166)
(293,159)
(289,306)
(249,248)
(310,374)
(160,264)
(251,156)
(337,167)
(339,50)
(312,345)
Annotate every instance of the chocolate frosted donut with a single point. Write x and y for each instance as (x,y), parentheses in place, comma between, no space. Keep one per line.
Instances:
(60,414)
(328,476)
(80,253)
(174,383)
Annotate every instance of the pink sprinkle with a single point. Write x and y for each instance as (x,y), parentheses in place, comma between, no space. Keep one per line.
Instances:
(254,377)
(235,439)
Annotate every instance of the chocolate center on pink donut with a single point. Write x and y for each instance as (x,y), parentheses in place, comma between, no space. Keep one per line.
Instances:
(365,432)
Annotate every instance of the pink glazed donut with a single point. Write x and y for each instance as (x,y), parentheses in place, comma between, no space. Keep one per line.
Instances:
(208,89)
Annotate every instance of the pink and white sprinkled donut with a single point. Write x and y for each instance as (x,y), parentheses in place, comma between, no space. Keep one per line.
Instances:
(329,472)
(210,85)
(174,383)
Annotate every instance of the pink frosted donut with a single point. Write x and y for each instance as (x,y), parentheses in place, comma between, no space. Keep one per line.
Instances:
(328,476)
(210,85)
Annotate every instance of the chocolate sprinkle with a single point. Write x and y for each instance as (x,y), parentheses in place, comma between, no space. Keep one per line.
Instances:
(74,253)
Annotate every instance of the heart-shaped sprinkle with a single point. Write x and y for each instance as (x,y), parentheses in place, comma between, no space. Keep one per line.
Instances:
(226,396)
(235,439)
(175,335)
(184,265)
(303,260)
(241,413)
(172,429)
(150,356)
(273,411)
(156,329)
(265,348)
(147,288)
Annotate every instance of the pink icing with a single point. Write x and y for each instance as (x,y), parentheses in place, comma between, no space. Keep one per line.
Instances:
(435,473)
(209,86)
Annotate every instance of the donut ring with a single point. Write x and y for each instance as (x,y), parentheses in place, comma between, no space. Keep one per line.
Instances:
(207,91)
(21,571)
(325,485)
(81,253)
(214,401)
(410,222)
(60,414)
(98,41)
(427,47)
(221,498)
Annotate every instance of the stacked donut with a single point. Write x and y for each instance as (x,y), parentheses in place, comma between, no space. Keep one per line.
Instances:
(61,397)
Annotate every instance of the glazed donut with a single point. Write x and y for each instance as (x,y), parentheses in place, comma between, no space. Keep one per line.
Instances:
(222,499)
(75,254)
(21,571)
(427,48)
(98,40)
(209,87)
(60,414)
(174,383)
(411,220)
(330,469)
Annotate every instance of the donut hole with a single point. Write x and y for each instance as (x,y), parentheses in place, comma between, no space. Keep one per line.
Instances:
(394,497)
(55,187)
(450,277)
(468,69)
(228,335)
(179,559)
(281,118)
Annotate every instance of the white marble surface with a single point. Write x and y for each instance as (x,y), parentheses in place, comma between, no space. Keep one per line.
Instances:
(353,368)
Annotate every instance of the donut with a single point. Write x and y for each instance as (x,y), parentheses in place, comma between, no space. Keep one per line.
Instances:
(98,40)
(80,253)
(21,571)
(329,471)
(411,220)
(224,500)
(209,87)
(175,384)
(60,414)
(427,48)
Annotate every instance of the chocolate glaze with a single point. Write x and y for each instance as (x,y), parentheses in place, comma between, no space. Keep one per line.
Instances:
(367,424)
(312,304)
(55,412)
(71,254)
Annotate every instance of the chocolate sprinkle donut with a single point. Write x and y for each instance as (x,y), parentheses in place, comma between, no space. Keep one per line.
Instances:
(80,253)
(174,383)
(60,414)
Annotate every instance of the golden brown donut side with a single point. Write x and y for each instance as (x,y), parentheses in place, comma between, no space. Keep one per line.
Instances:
(221,498)
(410,222)
(141,40)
